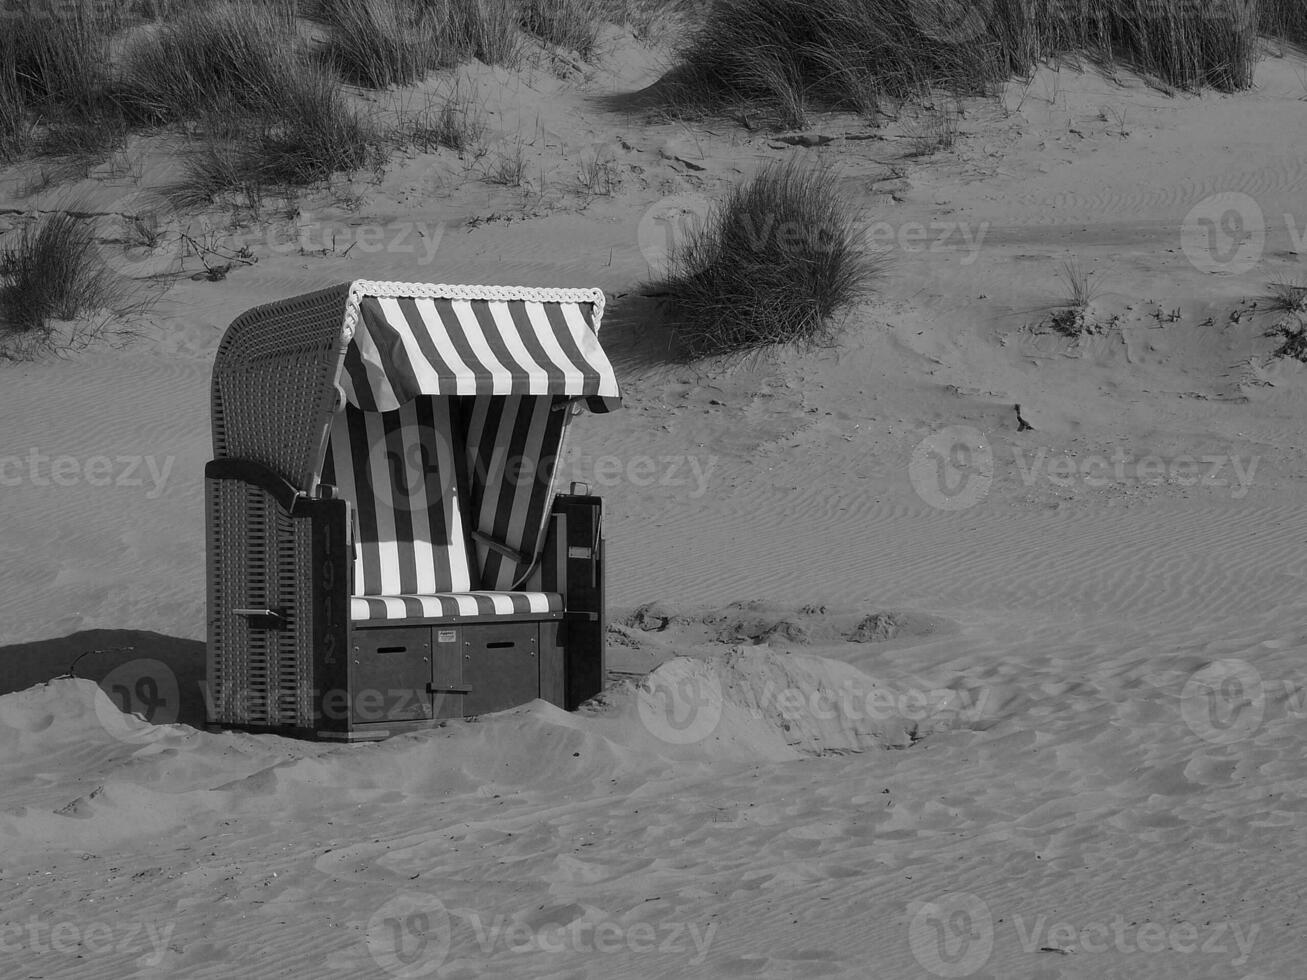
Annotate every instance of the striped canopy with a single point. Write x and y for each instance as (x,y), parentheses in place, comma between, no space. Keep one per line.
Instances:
(505,341)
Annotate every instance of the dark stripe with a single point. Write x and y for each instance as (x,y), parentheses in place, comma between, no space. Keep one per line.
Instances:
(454,330)
(537,515)
(405,492)
(455,434)
(365,502)
(531,341)
(602,405)
(383,338)
(495,341)
(418,327)
(358,377)
(376,609)
(590,373)
(518,409)
(388,338)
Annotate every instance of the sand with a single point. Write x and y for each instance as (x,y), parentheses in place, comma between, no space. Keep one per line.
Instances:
(878,707)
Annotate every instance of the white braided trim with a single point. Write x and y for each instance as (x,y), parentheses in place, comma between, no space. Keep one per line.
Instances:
(503,294)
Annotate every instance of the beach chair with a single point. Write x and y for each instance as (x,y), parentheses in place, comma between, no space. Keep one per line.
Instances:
(385,544)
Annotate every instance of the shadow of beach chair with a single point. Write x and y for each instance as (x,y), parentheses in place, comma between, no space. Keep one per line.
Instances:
(386,546)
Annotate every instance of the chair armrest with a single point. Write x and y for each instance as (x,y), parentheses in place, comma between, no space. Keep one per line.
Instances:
(248,471)
(507,551)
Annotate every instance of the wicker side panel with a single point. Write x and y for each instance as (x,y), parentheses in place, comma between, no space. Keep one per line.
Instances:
(258,558)
(274,383)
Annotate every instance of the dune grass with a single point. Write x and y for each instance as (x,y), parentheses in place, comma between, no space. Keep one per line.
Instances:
(53,271)
(380,43)
(570,24)
(855,54)
(53,100)
(776,263)
(227,57)
(1286,20)
(1288,299)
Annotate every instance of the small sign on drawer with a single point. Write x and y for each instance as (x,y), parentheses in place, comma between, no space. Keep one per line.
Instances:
(577,552)
(446,636)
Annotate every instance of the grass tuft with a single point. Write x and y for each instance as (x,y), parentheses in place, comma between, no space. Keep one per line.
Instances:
(380,43)
(54,271)
(775,263)
(840,54)
(237,57)
(570,24)
(1289,299)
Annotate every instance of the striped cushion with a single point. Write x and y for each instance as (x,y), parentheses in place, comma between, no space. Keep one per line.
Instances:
(447,604)
(512,448)
(400,471)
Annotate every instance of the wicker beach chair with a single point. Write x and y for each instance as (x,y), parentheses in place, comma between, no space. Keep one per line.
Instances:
(386,546)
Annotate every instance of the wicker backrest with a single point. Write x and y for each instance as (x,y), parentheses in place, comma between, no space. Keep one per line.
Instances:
(274,383)
(403,474)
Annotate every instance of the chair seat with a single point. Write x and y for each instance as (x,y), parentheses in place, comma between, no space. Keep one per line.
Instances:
(449,604)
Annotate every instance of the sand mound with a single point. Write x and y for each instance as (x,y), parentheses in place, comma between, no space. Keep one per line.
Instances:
(120,776)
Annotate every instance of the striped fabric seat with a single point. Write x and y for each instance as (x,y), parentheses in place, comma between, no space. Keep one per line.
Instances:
(402,474)
(405,479)
(452,604)
(512,448)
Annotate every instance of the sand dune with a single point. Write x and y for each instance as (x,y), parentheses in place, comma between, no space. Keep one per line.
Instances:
(874,711)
